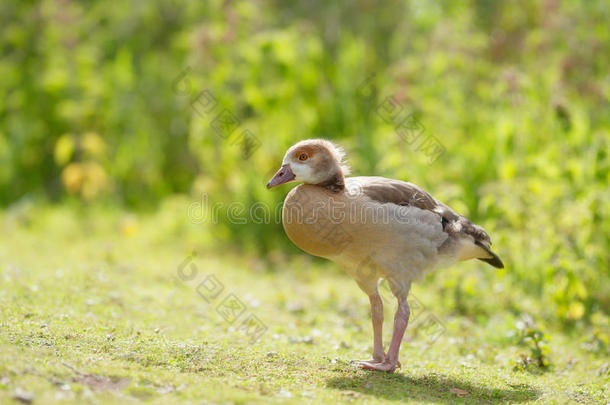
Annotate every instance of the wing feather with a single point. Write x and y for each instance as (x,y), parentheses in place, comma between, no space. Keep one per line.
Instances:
(390,191)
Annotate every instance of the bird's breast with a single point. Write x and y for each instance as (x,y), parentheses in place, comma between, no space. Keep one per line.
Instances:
(314,219)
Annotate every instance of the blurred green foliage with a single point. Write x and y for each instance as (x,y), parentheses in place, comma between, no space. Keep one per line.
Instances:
(93,108)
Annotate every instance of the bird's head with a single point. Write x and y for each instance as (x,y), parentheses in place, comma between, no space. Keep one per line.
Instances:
(313,161)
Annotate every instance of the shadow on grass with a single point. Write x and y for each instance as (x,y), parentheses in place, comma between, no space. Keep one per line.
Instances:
(430,388)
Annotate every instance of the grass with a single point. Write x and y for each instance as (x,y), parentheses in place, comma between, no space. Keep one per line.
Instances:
(93,310)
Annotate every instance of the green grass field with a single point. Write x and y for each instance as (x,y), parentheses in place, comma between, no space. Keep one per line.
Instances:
(123,127)
(104,309)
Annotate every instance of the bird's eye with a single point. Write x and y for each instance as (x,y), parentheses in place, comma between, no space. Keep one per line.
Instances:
(303,156)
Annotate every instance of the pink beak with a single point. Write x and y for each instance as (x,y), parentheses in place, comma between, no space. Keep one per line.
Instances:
(284,175)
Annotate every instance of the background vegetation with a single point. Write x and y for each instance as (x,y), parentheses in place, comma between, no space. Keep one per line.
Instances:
(102,133)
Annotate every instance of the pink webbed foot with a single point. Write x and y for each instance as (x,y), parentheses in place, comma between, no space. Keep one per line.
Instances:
(385,366)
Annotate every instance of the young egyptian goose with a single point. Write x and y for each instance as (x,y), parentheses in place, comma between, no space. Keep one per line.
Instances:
(374,228)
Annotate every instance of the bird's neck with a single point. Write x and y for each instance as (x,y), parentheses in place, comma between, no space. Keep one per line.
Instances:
(334,183)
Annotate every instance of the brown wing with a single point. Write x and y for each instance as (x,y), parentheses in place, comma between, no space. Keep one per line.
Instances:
(408,194)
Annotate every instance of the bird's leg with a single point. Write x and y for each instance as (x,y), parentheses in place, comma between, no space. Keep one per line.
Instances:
(401,319)
(377,319)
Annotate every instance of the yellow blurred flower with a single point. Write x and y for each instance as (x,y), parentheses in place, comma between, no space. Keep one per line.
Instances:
(95,180)
(89,179)
(129,226)
(72,176)
(93,144)
(576,310)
